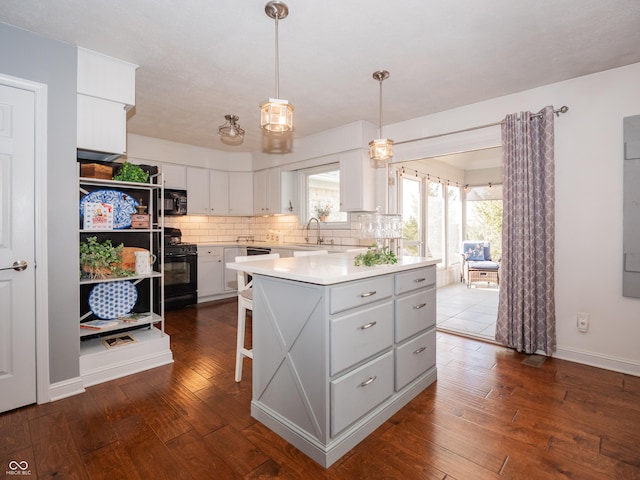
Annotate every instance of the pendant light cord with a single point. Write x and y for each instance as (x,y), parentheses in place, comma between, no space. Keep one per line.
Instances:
(277,62)
(380,128)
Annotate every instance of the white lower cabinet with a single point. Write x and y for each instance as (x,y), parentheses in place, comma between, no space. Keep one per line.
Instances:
(357,393)
(215,281)
(210,272)
(231,276)
(359,335)
(332,363)
(412,356)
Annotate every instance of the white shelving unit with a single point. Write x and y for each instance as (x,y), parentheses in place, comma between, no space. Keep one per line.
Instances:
(150,346)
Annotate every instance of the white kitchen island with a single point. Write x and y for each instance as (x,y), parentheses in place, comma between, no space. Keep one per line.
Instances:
(338,349)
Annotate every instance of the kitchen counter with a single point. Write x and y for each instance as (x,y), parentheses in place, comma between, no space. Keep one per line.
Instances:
(291,246)
(338,349)
(326,269)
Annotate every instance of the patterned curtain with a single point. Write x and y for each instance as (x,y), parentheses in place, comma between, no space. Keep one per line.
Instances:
(526,309)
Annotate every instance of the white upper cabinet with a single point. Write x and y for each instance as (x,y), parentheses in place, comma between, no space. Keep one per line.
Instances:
(357,182)
(240,193)
(106,77)
(106,90)
(175,176)
(197,191)
(218,192)
(289,192)
(273,192)
(102,125)
(260,192)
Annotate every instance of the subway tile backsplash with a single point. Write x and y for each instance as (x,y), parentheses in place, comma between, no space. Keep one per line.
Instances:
(273,229)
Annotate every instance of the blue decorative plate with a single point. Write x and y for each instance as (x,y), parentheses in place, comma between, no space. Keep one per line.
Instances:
(123,205)
(113,299)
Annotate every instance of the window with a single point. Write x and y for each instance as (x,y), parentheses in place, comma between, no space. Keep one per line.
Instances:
(483,206)
(411,216)
(435,220)
(454,224)
(321,194)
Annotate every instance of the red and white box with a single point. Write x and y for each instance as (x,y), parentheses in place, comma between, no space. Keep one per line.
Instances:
(98,216)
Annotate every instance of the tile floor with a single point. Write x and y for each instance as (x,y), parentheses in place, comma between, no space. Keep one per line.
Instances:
(467,311)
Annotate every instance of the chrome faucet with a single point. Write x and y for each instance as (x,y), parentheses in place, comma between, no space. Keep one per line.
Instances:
(319,239)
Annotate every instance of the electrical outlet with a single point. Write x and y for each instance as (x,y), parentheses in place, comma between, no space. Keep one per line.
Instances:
(583,321)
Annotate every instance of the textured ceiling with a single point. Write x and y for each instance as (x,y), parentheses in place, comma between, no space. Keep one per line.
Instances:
(200,60)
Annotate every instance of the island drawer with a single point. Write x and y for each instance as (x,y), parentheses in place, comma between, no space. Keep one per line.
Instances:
(414,358)
(359,335)
(361,292)
(357,393)
(415,312)
(415,279)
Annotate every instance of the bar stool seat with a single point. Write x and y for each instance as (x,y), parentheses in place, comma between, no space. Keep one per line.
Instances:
(245,302)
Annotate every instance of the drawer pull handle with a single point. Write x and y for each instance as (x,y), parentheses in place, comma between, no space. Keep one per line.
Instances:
(420,350)
(368,325)
(418,307)
(368,381)
(418,280)
(368,294)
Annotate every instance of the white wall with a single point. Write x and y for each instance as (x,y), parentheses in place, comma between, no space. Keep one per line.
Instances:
(153,150)
(589,153)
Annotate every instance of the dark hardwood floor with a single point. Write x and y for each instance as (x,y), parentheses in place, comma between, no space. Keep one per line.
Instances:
(487,417)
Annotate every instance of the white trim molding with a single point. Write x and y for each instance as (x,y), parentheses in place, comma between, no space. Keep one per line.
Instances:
(64,389)
(598,360)
(40,91)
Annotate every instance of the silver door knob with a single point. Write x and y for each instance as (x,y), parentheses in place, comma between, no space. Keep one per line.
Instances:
(18,266)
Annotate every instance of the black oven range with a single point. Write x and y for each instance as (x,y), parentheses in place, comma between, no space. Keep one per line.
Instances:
(180,271)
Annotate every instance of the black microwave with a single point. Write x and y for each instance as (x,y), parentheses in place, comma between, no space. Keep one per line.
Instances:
(175,202)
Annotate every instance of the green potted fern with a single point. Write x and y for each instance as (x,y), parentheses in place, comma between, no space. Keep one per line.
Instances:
(131,173)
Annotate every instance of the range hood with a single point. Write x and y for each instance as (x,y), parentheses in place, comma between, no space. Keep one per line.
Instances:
(97,156)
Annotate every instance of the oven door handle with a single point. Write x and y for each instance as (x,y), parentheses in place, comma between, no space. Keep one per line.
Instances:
(180,255)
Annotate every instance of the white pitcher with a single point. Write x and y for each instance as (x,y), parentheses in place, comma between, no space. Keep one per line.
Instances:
(144,260)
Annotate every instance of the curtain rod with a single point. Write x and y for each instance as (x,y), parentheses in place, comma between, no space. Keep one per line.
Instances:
(563,109)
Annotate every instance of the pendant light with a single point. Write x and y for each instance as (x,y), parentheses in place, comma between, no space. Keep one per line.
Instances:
(381,149)
(276,115)
(231,133)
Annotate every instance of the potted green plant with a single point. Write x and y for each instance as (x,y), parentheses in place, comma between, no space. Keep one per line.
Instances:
(375,255)
(101,260)
(131,173)
(323,211)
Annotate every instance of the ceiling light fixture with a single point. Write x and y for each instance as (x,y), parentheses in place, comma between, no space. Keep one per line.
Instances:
(381,149)
(276,115)
(231,133)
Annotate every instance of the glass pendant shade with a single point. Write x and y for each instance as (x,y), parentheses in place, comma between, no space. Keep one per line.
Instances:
(381,149)
(276,115)
(231,133)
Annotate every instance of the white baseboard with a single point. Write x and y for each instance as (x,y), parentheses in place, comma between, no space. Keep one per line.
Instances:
(138,364)
(66,388)
(607,362)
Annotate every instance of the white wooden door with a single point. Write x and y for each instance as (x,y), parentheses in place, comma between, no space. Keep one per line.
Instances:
(17,245)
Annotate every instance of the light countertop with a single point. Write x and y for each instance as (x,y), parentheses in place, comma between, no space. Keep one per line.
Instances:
(284,246)
(326,269)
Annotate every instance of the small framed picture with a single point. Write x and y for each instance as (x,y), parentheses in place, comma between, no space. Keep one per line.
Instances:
(118,340)
(98,216)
